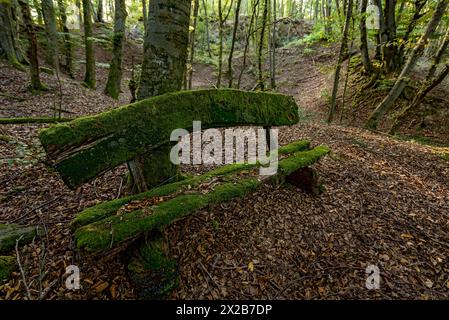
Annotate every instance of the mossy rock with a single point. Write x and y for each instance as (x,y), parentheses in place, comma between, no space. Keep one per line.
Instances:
(153,272)
(7,266)
(9,233)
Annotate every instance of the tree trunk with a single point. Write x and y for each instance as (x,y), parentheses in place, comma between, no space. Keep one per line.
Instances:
(260,79)
(273,48)
(89,77)
(364,39)
(328,12)
(80,14)
(247,41)
(8,41)
(192,43)
(115,70)
(36,84)
(419,6)
(100,11)
(439,55)
(381,34)
(144,14)
(206,17)
(234,36)
(422,93)
(165,56)
(51,30)
(389,49)
(38,9)
(343,50)
(68,51)
(402,80)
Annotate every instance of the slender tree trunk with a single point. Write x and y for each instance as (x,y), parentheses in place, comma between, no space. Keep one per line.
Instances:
(419,6)
(220,39)
(206,17)
(80,14)
(364,39)
(93,11)
(328,14)
(89,77)
(36,84)
(165,56)
(343,50)
(100,11)
(260,79)
(390,49)
(144,13)
(8,40)
(222,16)
(234,37)
(38,9)
(316,10)
(422,93)
(381,34)
(115,70)
(273,48)
(247,41)
(68,51)
(402,80)
(301,9)
(192,39)
(48,12)
(439,55)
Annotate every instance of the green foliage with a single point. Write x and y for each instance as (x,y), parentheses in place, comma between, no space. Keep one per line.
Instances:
(302,159)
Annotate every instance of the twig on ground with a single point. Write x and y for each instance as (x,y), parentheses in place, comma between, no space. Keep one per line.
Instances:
(22,272)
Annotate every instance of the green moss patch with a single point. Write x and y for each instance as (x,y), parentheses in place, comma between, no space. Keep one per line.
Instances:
(7,266)
(9,233)
(107,209)
(121,226)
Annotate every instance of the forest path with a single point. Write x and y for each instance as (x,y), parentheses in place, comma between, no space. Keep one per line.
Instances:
(386,204)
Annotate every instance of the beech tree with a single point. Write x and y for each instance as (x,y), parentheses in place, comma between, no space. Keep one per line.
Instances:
(36,84)
(115,69)
(165,56)
(89,76)
(48,12)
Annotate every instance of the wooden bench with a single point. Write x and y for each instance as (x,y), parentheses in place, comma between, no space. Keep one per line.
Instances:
(86,147)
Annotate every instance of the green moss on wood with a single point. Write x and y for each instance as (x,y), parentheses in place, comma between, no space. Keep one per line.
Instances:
(88,146)
(153,272)
(9,233)
(7,266)
(107,209)
(122,226)
(302,159)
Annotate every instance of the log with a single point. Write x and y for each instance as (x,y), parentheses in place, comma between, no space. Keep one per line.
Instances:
(30,120)
(172,202)
(82,149)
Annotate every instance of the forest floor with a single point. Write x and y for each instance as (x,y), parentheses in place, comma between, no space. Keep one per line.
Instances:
(386,204)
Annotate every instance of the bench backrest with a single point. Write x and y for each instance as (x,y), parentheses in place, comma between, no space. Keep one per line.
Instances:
(84,148)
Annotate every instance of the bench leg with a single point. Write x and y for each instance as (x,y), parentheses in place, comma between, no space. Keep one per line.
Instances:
(307,179)
(152,271)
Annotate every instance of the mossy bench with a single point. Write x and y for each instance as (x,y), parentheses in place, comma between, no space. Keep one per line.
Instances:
(86,147)
(82,149)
